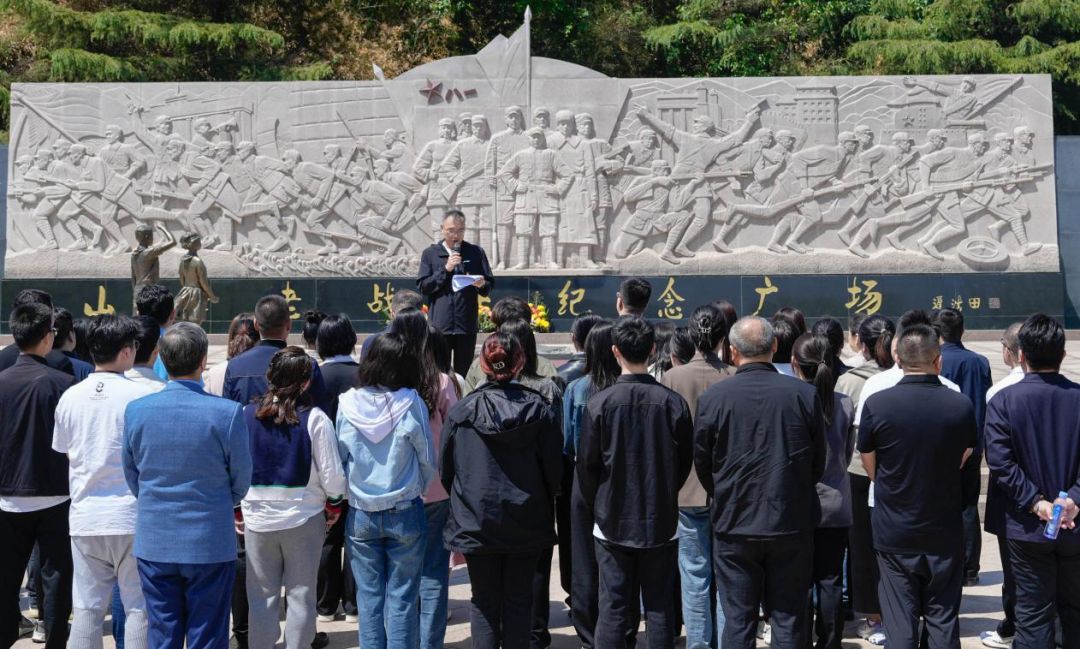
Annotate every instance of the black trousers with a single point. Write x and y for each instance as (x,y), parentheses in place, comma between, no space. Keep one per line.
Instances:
(972,526)
(922,588)
(463,350)
(501,609)
(336,584)
(20,531)
(828,581)
(631,578)
(1047,582)
(541,602)
(239,604)
(1007,627)
(863,573)
(562,524)
(775,572)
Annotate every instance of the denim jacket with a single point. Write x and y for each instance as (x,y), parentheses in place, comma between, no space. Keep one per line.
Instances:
(385,442)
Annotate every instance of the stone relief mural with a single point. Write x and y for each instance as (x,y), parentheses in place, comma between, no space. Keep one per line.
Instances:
(558,168)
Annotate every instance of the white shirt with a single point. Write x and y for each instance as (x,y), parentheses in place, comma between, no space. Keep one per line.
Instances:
(884,381)
(1012,378)
(214,379)
(26,504)
(270,509)
(90,429)
(144,375)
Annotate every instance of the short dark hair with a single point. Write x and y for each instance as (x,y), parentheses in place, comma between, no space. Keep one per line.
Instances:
(911,318)
(182,348)
(64,323)
(634,338)
(854,322)
(30,323)
(405,299)
(272,314)
(310,331)
(155,301)
(81,327)
(390,362)
(579,331)
(510,308)
(32,296)
(949,324)
(108,335)
(833,331)
(336,336)
(635,293)
(785,333)
(149,332)
(1042,339)
(794,316)
(917,345)
(1010,338)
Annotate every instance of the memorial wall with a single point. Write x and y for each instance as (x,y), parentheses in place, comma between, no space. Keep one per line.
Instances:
(563,174)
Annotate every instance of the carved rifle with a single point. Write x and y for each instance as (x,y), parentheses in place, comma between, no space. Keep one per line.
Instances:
(773,209)
(160,193)
(713,175)
(860,201)
(1030,174)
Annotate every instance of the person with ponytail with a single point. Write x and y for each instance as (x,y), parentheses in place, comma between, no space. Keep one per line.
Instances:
(501,462)
(875,337)
(813,357)
(384,439)
(296,476)
(708,330)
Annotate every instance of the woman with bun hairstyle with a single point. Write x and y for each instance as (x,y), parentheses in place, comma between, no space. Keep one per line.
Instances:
(812,359)
(708,330)
(501,462)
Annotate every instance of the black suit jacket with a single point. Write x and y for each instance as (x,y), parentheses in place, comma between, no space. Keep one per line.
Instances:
(450,312)
(759,451)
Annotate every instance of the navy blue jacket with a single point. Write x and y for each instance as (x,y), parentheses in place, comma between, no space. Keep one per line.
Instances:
(971,372)
(245,376)
(1033,447)
(450,312)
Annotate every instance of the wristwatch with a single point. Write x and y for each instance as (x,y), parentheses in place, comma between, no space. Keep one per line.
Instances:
(1034,509)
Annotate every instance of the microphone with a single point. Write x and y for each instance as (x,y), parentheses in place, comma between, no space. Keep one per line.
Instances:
(459,269)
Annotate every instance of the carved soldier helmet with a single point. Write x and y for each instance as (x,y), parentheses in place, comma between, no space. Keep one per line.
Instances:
(1002,137)
(564,116)
(446,121)
(1021,131)
(646,133)
(464,117)
(978,137)
(846,136)
(902,136)
(784,134)
(515,110)
(583,117)
(243,145)
(202,121)
(478,118)
(935,134)
(538,132)
(540,110)
(863,128)
(765,132)
(705,121)
(44,152)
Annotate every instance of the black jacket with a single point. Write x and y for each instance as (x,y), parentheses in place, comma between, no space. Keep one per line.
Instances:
(636,452)
(29,392)
(573,368)
(55,359)
(450,312)
(501,463)
(759,451)
(338,378)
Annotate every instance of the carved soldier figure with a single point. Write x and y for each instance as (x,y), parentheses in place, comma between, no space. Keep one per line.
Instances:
(124,159)
(326,186)
(39,187)
(1008,204)
(470,189)
(577,227)
(765,157)
(195,296)
(203,137)
(393,149)
(270,190)
(536,177)
(865,135)
(895,173)
(86,182)
(542,118)
(464,126)
(642,152)
(502,147)
(61,150)
(156,138)
(605,167)
(214,188)
(404,182)
(1023,141)
(806,171)
(658,206)
(698,151)
(145,259)
(387,204)
(428,169)
(960,103)
(949,166)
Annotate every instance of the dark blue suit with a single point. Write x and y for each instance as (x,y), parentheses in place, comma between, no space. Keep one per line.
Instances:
(245,376)
(1033,448)
(454,313)
(971,372)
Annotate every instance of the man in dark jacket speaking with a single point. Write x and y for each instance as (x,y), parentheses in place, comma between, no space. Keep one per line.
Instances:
(452,311)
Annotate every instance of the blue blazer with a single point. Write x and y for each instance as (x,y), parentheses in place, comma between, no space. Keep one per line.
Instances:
(1033,447)
(245,376)
(187,460)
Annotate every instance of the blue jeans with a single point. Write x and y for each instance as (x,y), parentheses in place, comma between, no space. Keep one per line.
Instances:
(696,578)
(386,553)
(434,578)
(119,617)
(187,601)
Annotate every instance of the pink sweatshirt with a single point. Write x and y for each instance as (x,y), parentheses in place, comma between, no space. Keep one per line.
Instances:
(447,398)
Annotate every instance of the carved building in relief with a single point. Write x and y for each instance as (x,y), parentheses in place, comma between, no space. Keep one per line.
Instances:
(652,176)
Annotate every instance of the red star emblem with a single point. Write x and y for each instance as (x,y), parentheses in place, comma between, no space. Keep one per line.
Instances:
(433,91)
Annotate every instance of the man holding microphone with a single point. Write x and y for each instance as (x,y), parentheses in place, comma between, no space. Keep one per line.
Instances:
(453,273)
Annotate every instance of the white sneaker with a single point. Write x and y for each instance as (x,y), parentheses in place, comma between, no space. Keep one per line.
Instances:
(868,628)
(352,619)
(324,618)
(877,638)
(38,636)
(992,639)
(766,634)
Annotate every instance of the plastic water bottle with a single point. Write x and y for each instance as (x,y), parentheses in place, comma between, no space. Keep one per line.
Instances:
(1053,526)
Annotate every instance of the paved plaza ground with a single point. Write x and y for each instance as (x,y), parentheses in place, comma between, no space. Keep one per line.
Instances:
(980,610)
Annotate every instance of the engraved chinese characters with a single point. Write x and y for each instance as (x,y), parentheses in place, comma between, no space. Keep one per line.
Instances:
(556,167)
